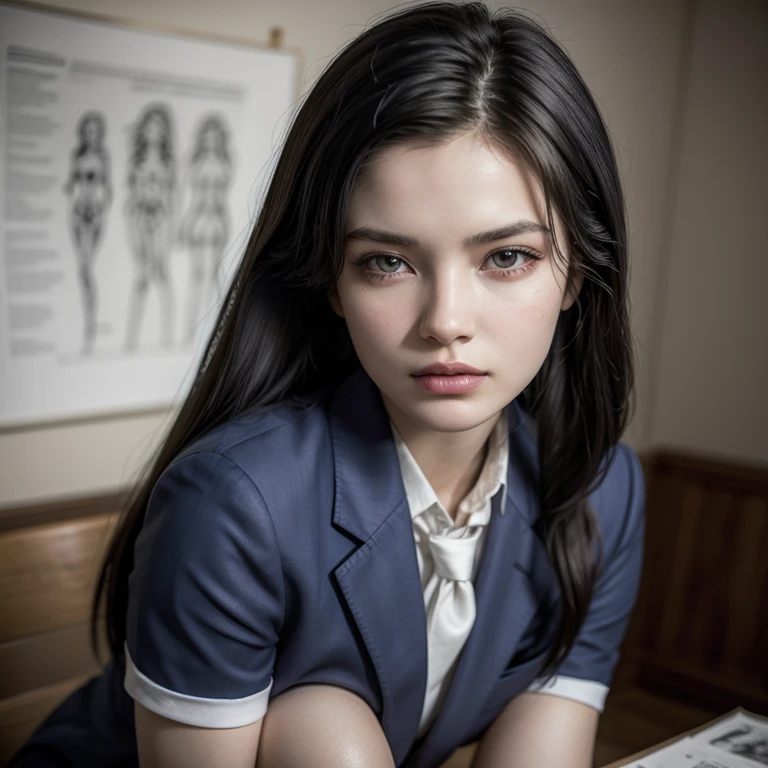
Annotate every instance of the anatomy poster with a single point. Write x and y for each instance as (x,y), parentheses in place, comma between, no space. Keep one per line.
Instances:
(132,165)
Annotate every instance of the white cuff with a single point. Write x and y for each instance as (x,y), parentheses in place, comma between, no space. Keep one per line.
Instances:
(587,692)
(193,710)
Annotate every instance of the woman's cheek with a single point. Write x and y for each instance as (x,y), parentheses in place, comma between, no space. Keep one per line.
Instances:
(529,331)
(370,329)
(379,318)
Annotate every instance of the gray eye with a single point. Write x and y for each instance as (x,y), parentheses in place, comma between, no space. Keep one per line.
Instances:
(388,263)
(506,257)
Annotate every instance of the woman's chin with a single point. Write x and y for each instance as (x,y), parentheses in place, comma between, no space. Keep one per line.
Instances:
(444,413)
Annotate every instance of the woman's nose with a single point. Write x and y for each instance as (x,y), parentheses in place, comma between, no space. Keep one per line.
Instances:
(448,312)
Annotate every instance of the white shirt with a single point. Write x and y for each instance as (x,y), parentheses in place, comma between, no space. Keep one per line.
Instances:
(430,520)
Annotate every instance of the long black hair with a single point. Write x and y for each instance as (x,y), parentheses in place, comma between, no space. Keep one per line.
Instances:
(425,74)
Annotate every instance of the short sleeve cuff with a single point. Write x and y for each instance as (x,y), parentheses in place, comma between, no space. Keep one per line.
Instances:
(588,692)
(193,710)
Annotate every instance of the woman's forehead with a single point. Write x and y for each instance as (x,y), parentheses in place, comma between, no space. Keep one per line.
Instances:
(460,186)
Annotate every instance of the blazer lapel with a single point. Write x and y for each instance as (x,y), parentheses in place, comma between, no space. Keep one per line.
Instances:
(513,578)
(380,581)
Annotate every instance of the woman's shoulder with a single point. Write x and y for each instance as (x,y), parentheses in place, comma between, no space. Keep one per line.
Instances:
(283,438)
(619,499)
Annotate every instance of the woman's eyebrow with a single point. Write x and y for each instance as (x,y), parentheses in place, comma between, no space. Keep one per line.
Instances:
(520,227)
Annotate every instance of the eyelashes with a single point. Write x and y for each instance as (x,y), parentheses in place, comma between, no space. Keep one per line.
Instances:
(505,272)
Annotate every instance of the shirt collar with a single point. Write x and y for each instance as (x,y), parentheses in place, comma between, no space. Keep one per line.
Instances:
(493,475)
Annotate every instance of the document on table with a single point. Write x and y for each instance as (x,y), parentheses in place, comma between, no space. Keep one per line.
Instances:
(739,741)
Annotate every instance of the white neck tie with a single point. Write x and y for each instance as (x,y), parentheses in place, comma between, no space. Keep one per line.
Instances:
(450,610)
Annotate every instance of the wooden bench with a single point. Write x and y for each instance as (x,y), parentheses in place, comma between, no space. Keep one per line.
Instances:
(47,573)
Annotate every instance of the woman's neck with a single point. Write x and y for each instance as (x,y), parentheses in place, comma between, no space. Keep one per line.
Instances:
(451,461)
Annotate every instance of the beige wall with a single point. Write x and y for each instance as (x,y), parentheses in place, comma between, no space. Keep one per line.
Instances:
(711,381)
(632,54)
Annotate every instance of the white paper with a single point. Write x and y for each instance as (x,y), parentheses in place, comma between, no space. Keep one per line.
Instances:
(121,217)
(740,735)
(740,741)
(683,754)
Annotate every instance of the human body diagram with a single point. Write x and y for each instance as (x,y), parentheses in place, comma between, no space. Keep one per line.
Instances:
(89,189)
(149,210)
(205,227)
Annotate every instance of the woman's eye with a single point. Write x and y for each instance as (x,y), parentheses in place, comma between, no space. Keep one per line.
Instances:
(386,263)
(507,257)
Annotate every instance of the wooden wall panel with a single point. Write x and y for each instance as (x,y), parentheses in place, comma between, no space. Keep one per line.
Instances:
(700,628)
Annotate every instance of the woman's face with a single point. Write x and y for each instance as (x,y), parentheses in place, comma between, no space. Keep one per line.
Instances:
(452,289)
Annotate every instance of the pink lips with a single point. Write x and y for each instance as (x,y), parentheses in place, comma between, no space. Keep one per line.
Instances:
(449,378)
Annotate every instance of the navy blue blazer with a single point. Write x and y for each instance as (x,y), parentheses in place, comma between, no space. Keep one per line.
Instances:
(280,548)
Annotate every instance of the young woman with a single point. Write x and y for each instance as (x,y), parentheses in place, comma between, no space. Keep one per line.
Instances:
(394,515)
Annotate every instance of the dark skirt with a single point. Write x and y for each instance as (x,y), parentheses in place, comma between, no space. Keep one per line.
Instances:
(91,728)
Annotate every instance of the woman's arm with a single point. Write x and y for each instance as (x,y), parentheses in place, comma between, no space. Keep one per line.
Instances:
(164,743)
(205,607)
(537,730)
